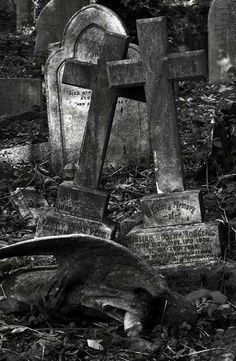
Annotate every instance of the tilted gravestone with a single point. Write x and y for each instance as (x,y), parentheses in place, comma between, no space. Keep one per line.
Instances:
(52,21)
(68,105)
(80,206)
(222,41)
(172,235)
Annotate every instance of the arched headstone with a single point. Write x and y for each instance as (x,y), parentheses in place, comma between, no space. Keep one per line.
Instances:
(52,21)
(222,41)
(68,105)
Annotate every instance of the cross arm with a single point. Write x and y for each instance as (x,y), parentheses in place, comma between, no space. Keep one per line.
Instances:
(80,74)
(130,72)
(125,73)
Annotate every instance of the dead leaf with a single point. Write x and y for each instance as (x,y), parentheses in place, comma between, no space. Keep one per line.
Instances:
(95,344)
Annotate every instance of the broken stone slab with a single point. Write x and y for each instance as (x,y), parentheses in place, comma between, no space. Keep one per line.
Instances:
(18,95)
(56,223)
(172,208)
(171,246)
(109,288)
(25,153)
(81,201)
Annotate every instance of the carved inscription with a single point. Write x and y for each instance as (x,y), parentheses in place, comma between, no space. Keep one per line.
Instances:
(176,245)
(58,224)
(81,202)
(173,208)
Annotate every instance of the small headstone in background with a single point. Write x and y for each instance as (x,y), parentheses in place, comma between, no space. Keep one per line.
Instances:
(222,41)
(7,5)
(24,14)
(52,21)
(18,95)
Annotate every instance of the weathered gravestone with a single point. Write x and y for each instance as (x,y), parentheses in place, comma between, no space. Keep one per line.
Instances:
(52,21)
(68,105)
(80,202)
(24,14)
(19,95)
(172,235)
(222,41)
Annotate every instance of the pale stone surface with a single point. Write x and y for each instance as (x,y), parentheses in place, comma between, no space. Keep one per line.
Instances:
(56,223)
(18,95)
(160,68)
(68,105)
(172,208)
(24,14)
(81,201)
(52,21)
(101,109)
(173,246)
(222,41)
(27,153)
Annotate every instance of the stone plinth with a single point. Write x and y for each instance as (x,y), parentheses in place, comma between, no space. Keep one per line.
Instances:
(172,208)
(178,245)
(81,201)
(56,223)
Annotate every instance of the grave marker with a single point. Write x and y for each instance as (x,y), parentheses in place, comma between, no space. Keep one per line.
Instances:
(222,41)
(68,105)
(81,199)
(172,234)
(52,21)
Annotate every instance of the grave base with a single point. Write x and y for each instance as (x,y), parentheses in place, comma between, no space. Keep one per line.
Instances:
(82,202)
(186,279)
(176,245)
(172,208)
(55,223)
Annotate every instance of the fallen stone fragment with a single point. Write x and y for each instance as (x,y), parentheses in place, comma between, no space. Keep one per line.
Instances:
(98,276)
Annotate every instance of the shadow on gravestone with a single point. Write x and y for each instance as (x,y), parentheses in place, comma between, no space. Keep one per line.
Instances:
(52,21)
(68,105)
(222,41)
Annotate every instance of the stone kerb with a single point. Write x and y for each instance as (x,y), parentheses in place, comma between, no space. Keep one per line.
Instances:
(102,19)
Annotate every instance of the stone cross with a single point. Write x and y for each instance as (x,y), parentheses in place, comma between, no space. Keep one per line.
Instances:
(157,71)
(102,107)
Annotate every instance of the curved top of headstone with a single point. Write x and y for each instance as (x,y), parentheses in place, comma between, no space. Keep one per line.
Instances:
(52,21)
(98,15)
(82,40)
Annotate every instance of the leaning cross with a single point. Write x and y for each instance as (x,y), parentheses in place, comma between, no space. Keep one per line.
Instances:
(102,107)
(156,71)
